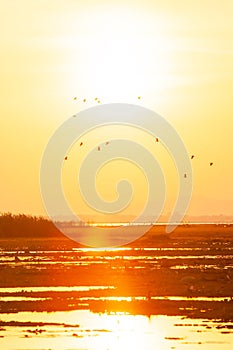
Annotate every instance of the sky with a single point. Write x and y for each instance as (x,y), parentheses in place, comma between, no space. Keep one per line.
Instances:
(176,55)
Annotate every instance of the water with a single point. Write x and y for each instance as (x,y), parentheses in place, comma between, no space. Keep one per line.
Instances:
(221,258)
(33,290)
(112,280)
(86,330)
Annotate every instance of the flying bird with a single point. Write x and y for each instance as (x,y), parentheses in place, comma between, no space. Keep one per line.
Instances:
(107,142)
(66,158)
(75,98)
(84,100)
(96,98)
(185,176)
(157,140)
(139,97)
(192,156)
(98,148)
(211,163)
(81,143)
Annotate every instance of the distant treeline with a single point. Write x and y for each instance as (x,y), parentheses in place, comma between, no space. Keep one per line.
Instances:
(14,226)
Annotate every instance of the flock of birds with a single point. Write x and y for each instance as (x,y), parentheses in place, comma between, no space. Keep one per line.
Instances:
(106,143)
(95,99)
(192,157)
(85,100)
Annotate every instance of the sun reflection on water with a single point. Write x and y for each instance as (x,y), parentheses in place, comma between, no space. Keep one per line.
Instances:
(86,330)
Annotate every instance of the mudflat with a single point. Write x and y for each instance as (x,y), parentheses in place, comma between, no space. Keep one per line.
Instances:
(188,273)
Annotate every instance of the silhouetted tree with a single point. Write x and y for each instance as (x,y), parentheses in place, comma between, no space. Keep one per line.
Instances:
(21,225)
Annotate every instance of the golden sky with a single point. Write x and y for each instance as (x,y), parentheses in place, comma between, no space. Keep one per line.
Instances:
(178,55)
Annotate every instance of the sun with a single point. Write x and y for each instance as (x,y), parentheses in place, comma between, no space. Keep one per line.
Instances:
(123,54)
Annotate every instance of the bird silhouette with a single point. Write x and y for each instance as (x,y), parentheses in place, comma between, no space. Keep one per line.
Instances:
(66,158)
(75,98)
(185,175)
(96,98)
(84,100)
(139,97)
(99,101)
(157,140)
(81,143)
(211,163)
(192,156)
(98,148)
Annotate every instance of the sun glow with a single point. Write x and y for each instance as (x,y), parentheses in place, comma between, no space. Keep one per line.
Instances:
(176,57)
(128,52)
